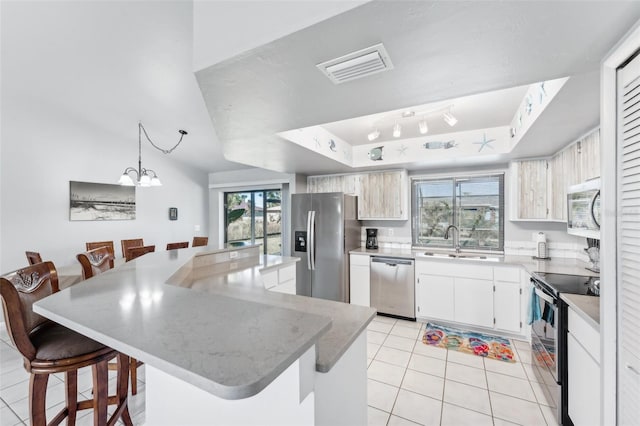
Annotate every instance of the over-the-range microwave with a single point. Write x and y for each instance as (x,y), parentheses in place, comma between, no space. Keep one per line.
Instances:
(583,209)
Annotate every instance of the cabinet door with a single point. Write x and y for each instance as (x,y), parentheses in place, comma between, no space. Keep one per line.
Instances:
(434,297)
(532,189)
(360,286)
(383,195)
(506,306)
(590,156)
(474,302)
(584,384)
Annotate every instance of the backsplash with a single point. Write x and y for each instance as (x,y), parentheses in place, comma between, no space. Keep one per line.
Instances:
(389,238)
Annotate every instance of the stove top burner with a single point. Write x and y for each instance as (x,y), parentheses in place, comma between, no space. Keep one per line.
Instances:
(573,284)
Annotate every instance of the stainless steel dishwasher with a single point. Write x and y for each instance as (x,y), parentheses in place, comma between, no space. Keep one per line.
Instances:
(393,286)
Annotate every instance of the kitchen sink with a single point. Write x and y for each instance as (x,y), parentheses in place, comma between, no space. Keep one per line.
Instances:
(470,256)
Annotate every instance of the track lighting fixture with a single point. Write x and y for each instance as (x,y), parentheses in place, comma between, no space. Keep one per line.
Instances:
(373,135)
(449,119)
(397,130)
(422,127)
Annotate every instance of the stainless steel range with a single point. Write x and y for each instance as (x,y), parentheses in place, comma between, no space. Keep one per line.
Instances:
(549,331)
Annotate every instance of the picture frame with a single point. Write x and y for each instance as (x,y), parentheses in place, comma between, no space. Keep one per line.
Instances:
(173,213)
(101,201)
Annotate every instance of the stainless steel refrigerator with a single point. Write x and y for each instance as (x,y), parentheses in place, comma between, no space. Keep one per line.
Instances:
(324,227)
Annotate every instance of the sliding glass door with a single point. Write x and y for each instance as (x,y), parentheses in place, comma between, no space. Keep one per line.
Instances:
(254,217)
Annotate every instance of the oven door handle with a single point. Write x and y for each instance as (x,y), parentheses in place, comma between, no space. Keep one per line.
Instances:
(544,296)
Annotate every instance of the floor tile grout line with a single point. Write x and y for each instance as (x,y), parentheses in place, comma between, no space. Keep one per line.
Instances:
(444,385)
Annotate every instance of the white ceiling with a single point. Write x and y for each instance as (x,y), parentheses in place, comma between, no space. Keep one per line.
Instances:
(440,51)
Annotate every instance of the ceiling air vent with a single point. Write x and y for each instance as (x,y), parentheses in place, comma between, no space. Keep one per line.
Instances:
(358,64)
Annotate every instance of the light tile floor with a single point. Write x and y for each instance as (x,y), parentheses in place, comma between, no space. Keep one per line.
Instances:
(409,383)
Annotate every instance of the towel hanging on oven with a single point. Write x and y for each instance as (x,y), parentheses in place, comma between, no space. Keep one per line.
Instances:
(534,313)
(548,316)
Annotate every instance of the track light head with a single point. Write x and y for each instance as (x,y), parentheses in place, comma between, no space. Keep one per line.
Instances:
(397,130)
(373,135)
(422,127)
(449,119)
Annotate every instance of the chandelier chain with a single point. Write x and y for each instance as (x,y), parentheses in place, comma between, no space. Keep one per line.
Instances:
(164,151)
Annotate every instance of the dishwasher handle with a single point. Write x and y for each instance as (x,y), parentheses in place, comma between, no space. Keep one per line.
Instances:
(391,261)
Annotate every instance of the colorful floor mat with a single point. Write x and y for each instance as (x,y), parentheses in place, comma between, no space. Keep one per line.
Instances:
(469,342)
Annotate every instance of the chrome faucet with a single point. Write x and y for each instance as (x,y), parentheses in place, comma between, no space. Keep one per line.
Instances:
(456,241)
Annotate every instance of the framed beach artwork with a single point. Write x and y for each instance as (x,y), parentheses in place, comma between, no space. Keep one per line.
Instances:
(101,201)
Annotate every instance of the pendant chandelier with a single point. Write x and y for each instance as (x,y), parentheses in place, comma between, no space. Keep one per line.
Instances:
(145,177)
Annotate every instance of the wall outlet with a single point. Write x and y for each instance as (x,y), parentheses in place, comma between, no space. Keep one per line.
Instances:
(233,254)
(390,232)
(196,228)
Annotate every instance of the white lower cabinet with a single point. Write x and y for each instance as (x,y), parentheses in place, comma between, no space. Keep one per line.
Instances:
(359,280)
(473,301)
(435,297)
(506,306)
(583,355)
(282,280)
(480,295)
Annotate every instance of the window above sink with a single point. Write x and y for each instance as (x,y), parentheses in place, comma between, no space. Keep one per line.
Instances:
(474,205)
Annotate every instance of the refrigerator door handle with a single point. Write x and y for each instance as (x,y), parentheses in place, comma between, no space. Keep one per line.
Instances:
(312,239)
(309,240)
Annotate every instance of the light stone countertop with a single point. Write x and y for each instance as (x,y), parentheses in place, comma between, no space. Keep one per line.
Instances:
(231,340)
(588,307)
(531,265)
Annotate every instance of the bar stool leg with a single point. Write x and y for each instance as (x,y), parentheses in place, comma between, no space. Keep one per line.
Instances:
(71,380)
(133,366)
(122,392)
(100,392)
(37,399)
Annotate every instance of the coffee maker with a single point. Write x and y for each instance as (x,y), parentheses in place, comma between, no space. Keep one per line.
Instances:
(372,238)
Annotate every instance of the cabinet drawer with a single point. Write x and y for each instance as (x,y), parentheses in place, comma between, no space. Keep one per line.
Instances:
(507,274)
(458,269)
(360,259)
(585,334)
(287,273)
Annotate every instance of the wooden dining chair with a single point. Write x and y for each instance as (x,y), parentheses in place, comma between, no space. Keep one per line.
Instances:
(126,244)
(97,244)
(33,257)
(173,246)
(48,348)
(95,261)
(200,241)
(135,252)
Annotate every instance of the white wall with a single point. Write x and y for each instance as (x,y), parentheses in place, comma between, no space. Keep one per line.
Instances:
(76,78)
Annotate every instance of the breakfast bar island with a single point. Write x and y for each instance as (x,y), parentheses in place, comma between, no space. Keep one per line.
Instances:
(220,346)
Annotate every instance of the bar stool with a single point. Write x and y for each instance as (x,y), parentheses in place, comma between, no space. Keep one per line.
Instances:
(127,244)
(95,262)
(48,348)
(97,244)
(173,246)
(135,252)
(33,257)
(200,241)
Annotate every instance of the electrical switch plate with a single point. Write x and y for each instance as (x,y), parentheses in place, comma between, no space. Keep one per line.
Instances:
(196,228)
(390,232)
